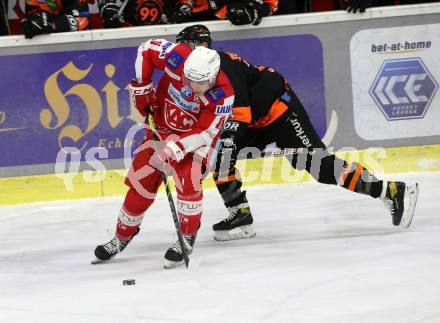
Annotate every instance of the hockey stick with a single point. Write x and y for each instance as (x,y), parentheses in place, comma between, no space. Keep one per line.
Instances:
(121,9)
(170,197)
(331,129)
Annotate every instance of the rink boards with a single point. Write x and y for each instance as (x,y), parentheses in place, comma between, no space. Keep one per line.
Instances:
(370,82)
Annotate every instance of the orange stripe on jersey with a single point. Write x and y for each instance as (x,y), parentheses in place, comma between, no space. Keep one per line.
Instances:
(83,23)
(262,68)
(276,110)
(54,7)
(242,114)
(355,178)
(273,4)
(344,175)
(188,2)
(227,179)
(221,13)
(34,3)
(200,6)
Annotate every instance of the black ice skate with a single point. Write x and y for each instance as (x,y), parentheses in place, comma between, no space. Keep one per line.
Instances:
(174,255)
(401,200)
(110,249)
(238,225)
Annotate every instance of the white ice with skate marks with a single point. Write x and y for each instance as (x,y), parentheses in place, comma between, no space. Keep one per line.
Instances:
(321,254)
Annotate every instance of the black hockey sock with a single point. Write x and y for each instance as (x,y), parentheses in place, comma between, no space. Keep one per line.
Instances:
(358,179)
(229,187)
(329,169)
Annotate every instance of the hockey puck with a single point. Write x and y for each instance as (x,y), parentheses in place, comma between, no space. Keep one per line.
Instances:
(128,282)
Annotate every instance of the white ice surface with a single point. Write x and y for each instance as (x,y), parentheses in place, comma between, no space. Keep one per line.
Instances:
(321,254)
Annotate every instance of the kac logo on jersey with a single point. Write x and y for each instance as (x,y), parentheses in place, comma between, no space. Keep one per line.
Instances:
(223,109)
(216,94)
(174,60)
(186,91)
(403,89)
(177,118)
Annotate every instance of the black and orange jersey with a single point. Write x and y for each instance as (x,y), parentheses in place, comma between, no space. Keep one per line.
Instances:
(52,6)
(71,15)
(219,7)
(258,90)
(56,7)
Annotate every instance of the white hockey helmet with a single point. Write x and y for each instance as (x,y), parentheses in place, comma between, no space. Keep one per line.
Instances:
(201,65)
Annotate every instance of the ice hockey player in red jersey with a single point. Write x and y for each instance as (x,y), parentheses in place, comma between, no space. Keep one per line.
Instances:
(266,110)
(192,101)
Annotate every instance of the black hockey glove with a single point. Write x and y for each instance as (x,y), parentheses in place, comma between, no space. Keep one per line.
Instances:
(361,5)
(178,14)
(233,132)
(37,23)
(109,11)
(245,12)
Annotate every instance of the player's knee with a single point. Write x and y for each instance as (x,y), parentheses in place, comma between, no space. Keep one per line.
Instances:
(188,177)
(136,203)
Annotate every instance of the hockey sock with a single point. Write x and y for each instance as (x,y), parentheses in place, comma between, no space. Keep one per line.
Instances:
(358,179)
(131,215)
(189,211)
(229,187)
(329,169)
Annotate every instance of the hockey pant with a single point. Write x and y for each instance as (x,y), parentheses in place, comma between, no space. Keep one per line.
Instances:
(292,132)
(144,181)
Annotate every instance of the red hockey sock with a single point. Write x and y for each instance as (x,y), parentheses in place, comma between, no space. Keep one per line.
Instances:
(189,211)
(132,214)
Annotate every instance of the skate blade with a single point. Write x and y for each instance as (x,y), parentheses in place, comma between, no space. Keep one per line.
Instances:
(411,195)
(172,264)
(97,261)
(194,263)
(243,232)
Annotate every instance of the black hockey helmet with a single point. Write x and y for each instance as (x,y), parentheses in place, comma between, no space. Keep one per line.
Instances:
(194,35)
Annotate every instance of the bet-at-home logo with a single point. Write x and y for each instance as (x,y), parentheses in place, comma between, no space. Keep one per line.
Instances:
(403,89)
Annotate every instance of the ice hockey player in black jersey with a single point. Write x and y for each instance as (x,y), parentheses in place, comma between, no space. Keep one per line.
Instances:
(266,110)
